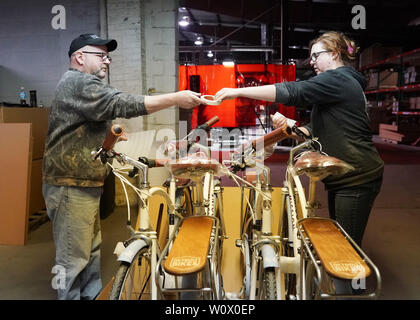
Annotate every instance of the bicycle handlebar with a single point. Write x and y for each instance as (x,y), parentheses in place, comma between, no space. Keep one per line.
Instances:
(206,125)
(272,137)
(153,163)
(114,134)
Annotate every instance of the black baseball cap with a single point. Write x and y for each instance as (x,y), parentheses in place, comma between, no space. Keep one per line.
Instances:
(91,39)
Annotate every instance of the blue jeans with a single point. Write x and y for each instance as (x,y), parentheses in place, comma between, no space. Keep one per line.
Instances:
(351,207)
(74,213)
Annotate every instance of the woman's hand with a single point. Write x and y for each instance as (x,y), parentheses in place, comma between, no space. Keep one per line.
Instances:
(226,94)
(279,120)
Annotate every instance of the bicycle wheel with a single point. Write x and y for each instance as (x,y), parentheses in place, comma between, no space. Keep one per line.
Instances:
(287,250)
(311,283)
(133,280)
(246,237)
(217,265)
(269,284)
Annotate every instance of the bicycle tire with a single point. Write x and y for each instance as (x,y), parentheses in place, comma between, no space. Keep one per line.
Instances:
(140,278)
(270,285)
(289,280)
(311,284)
(247,238)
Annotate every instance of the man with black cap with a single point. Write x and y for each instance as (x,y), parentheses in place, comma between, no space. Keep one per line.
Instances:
(80,118)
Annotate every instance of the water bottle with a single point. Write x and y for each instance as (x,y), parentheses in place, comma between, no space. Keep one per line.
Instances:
(22,95)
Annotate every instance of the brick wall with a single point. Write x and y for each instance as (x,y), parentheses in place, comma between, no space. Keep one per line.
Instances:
(145,62)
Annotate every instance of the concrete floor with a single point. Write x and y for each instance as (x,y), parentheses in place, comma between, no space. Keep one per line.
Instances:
(392,239)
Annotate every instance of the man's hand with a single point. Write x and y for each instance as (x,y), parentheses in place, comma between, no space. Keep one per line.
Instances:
(226,94)
(188,99)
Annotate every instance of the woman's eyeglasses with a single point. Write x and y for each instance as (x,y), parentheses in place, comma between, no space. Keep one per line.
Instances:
(315,55)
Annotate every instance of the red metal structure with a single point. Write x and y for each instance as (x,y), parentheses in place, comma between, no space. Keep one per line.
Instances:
(208,79)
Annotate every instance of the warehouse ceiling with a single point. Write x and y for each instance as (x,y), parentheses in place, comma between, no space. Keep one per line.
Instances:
(252,31)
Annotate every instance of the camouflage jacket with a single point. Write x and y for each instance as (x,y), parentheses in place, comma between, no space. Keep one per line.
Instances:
(79,120)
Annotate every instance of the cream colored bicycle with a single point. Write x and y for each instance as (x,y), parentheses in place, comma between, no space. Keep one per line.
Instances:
(190,261)
(301,259)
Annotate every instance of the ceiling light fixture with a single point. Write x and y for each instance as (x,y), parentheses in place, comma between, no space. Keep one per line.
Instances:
(199,41)
(184,21)
(210,54)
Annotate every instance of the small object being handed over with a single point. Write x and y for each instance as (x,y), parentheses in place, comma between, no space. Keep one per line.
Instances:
(210,100)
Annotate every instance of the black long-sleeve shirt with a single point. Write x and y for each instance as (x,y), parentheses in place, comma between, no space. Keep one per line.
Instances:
(340,121)
(79,120)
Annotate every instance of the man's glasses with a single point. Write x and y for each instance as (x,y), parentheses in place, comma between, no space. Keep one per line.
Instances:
(103,55)
(315,55)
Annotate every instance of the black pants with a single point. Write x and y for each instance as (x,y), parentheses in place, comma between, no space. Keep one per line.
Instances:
(351,208)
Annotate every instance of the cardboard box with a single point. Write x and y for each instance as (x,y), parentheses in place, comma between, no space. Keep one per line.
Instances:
(389,127)
(413,102)
(377,53)
(388,78)
(372,81)
(39,119)
(15,172)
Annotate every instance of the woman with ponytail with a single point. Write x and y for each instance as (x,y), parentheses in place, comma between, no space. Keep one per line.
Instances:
(339,120)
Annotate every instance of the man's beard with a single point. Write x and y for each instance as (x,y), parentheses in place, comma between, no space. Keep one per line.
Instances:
(97,73)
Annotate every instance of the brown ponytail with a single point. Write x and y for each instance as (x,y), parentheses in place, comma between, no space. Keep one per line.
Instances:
(338,42)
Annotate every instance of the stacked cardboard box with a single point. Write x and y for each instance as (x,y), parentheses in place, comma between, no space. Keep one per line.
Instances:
(372,80)
(389,132)
(376,53)
(24,131)
(388,79)
(381,80)
(414,102)
(398,134)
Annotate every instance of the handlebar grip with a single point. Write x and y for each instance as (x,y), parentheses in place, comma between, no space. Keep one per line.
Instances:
(272,137)
(114,134)
(208,123)
(157,163)
(212,121)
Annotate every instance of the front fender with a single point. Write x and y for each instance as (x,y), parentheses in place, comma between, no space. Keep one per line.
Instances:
(130,252)
(269,256)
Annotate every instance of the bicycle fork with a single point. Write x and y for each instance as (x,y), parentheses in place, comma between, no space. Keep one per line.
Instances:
(265,251)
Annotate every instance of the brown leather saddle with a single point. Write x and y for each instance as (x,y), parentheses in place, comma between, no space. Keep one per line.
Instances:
(319,166)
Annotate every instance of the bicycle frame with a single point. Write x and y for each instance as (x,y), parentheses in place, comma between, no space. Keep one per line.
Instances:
(263,245)
(146,232)
(294,201)
(291,192)
(146,236)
